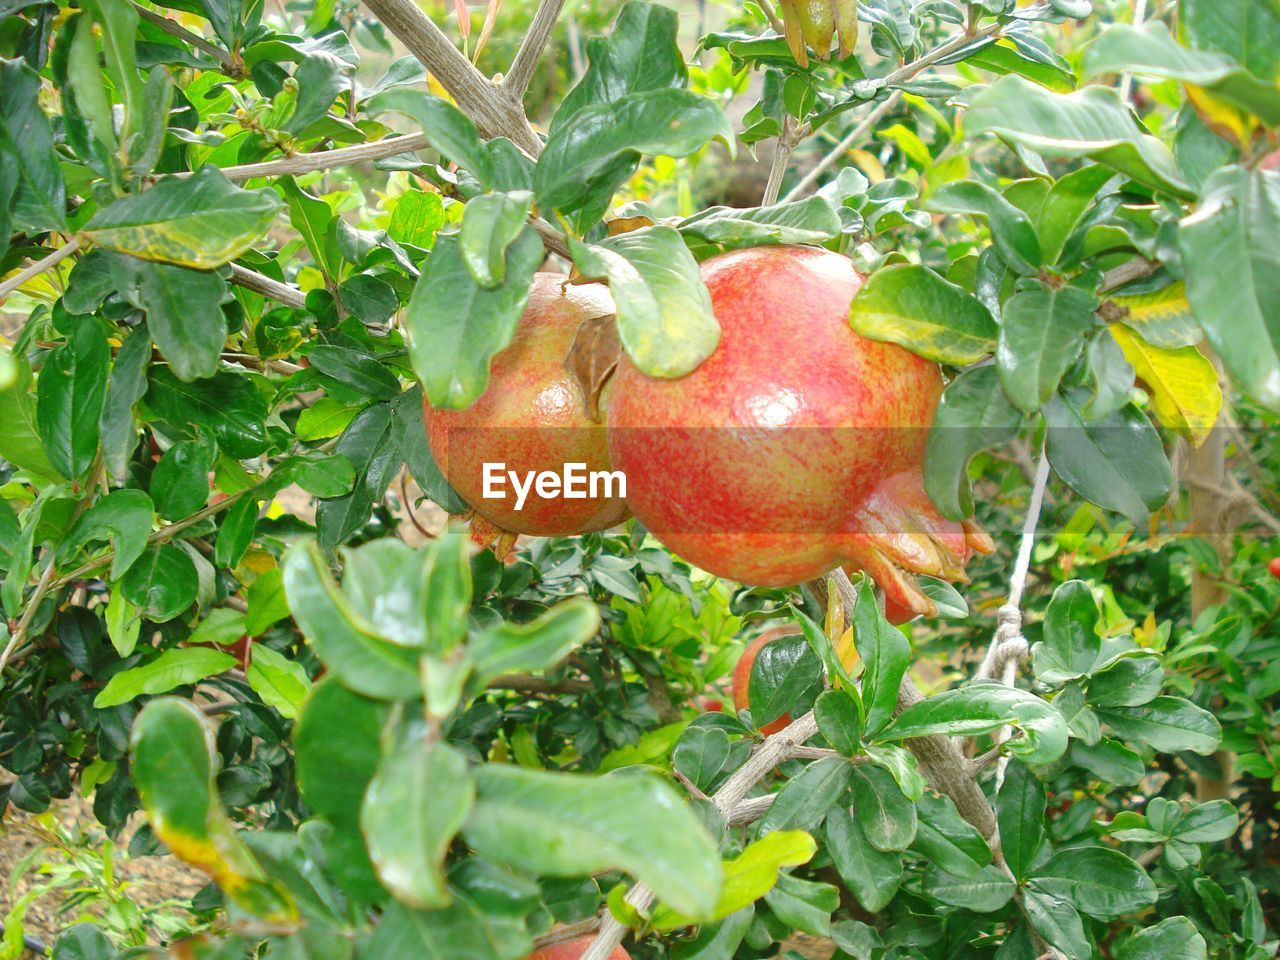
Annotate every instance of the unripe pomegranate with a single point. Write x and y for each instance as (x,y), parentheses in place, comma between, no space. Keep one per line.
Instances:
(573,950)
(798,446)
(532,418)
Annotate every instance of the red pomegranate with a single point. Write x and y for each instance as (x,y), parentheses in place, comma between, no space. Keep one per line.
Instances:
(798,446)
(533,419)
(573,950)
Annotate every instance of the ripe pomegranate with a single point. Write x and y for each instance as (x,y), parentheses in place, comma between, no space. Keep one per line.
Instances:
(1274,567)
(573,950)
(532,418)
(798,446)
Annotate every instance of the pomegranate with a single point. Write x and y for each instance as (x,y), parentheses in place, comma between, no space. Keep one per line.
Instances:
(573,950)
(798,446)
(533,419)
(1274,567)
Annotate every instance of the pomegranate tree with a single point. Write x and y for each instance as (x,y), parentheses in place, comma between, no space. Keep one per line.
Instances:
(798,446)
(533,418)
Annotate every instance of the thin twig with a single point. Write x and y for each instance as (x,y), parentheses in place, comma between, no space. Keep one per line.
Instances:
(39,267)
(1126,80)
(20,631)
(324,159)
(772,16)
(792,133)
(522,683)
(1127,272)
(855,135)
(290,296)
(532,46)
(174,29)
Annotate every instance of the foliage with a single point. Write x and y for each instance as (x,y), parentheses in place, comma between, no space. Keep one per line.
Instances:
(245,285)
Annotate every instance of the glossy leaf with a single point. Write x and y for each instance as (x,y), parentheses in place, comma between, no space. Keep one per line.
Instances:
(1041,335)
(1117,462)
(162,582)
(783,670)
(1173,937)
(1168,724)
(910,305)
(1020,810)
(871,875)
(490,224)
(888,819)
(123,517)
(1071,642)
(665,320)
(984,892)
(200,222)
(1012,231)
(521,647)
(973,415)
(70,393)
(562,825)
(811,220)
(26,138)
(885,654)
(453,339)
(1091,122)
(805,799)
(173,668)
(947,839)
(1099,881)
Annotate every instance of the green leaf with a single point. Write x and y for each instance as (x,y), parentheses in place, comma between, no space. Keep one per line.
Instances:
(1209,822)
(1248,32)
(266,602)
(700,754)
(453,339)
(416,218)
(667,122)
(984,707)
(1098,881)
(1150,51)
(1092,122)
(909,304)
(20,442)
(355,369)
(1168,724)
(162,582)
(173,764)
(26,140)
(871,875)
(338,746)
(885,654)
(1041,335)
(984,892)
(1174,937)
(716,941)
(227,405)
(947,839)
(811,220)
(1231,253)
(180,481)
(124,517)
(491,222)
(280,682)
(805,799)
(524,647)
(803,904)
(200,222)
(69,396)
(1057,922)
(364,662)
(564,825)
(1012,232)
(417,801)
(1020,807)
(665,319)
(887,817)
(370,299)
(126,387)
(973,415)
(1065,206)
(1071,642)
(1109,761)
(173,668)
(639,53)
(236,531)
(839,721)
(783,670)
(324,419)
(1130,682)
(463,929)
(83,941)
(311,217)
(1117,462)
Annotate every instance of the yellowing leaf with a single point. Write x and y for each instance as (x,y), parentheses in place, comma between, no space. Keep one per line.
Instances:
(1227,121)
(750,875)
(1183,384)
(1163,317)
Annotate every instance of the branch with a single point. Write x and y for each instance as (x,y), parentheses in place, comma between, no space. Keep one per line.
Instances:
(792,133)
(516,82)
(495,114)
(522,683)
(726,800)
(39,267)
(20,631)
(859,131)
(1127,272)
(228,63)
(290,296)
(324,160)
